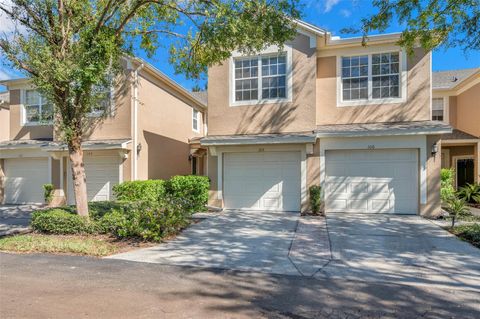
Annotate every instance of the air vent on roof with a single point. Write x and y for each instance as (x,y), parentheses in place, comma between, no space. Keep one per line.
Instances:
(454,79)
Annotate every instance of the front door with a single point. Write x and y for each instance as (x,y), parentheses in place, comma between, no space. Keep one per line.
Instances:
(465,172)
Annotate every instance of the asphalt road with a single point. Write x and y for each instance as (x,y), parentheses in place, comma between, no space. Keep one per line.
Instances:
(48,286)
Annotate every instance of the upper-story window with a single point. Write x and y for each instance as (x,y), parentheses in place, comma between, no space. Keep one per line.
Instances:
(371,78)
(103,101)
(262,77)
(195,120)
(437,109)
(38,110)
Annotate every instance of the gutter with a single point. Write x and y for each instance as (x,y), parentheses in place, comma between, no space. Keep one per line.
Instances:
(134,122)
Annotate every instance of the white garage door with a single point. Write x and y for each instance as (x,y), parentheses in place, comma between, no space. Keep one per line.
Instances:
(102,173)
(372,181)
(25,178)
(262,181)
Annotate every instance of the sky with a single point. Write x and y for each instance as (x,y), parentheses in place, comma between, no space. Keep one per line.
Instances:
(332,15)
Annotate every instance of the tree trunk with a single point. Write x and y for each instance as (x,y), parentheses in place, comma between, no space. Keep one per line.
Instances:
(79,178)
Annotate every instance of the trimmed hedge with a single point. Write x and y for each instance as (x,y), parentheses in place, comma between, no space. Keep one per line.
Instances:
(150,210)
(192,189)
(134,191)
(61,222)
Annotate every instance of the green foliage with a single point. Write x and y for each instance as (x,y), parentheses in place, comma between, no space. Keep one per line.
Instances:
(148,190)
(457,207)
(447,191)
(470,233)
(192,190)
(59,221)
(151,221)
(315,198)
(431,23)
(48,193)
(470,193)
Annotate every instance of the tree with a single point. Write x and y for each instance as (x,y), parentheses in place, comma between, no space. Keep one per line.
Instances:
(69,48)
(432,23)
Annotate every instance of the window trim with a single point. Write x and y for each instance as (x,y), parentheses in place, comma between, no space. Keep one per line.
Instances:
(197,130)
(23,117)
(443,109)
(370,101)
(446,107)
(108,112)
(269,51)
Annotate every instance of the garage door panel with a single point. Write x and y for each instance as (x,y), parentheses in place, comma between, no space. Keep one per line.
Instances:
(24,180)
(377,181)
(102,174)
(262,181)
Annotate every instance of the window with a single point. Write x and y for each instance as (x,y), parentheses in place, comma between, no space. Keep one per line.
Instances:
(261,78)
(103,97)
(37,108)
(355,77)
(385,75)
(437,109)
(370,77)
(195,120)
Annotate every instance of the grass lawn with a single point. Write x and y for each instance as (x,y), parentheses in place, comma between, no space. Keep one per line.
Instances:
(470,233)
(67,244)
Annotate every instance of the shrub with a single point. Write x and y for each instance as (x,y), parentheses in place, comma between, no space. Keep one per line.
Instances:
(134,191)
(447,191)
(98,209)
(456,207)
(191,189)
(315,198)
(470,233)
(59,221)
(147,221)
(470,193)
(48,193)
(112,222)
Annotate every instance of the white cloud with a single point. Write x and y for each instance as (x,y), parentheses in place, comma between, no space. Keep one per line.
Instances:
(329,4)
(345,13)
(6,24)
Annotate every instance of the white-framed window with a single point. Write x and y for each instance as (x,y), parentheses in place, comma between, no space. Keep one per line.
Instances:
(438,108)
(104,101)
(37,109)
(263,78)
(195,120)
(373,78)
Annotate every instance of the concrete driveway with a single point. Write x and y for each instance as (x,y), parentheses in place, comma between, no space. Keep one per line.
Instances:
(400,249)
(374,248)
(15,218)
(258,241)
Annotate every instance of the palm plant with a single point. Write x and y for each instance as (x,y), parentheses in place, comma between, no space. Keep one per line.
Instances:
(457,207)
(470,192)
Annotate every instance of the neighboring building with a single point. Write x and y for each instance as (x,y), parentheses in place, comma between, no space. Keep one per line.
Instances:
(456,101)
(354,119)
(144,135)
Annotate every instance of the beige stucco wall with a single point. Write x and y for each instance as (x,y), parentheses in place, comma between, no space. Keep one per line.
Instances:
(116,124)
(452,111)
(468,110)
(434,162)
(20,132)
(4,124)
(297,116)
(416,107)
(164,127)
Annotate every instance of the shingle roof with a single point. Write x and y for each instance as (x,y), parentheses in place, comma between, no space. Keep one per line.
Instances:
(201,95)
(458,135)
(450,79)
(386,128)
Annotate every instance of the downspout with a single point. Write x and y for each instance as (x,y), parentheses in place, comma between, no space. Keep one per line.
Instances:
(134,123)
